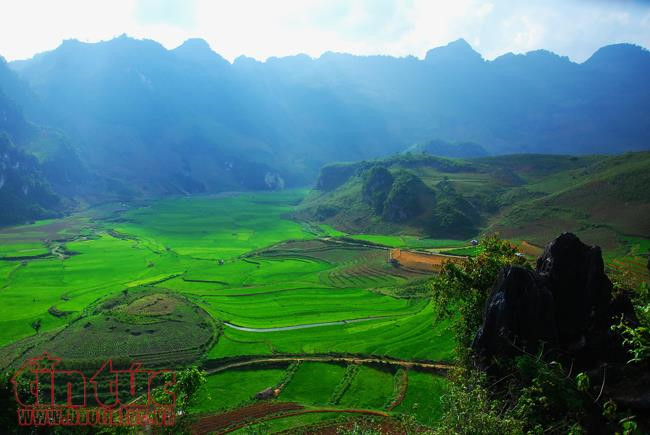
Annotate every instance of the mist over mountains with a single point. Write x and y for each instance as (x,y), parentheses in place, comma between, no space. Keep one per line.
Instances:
(128,118)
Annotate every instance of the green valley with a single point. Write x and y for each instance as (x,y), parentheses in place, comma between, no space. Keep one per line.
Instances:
(214,281)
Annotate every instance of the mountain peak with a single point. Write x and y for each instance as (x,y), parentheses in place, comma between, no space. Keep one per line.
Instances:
(195,44)
(197,50)
(460,43)
(454,52)
(620,55)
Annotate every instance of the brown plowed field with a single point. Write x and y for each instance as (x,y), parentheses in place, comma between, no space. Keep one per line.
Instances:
(422,261)
(220,422)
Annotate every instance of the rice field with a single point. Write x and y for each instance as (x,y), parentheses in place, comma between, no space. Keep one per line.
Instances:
(188,280)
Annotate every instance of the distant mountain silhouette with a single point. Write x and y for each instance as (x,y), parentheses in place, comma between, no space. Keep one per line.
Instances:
(186,120)
(439,147)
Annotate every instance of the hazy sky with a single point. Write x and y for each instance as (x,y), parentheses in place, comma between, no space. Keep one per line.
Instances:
(263,28)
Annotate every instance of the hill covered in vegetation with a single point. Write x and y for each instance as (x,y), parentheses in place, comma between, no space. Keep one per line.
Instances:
(519,196)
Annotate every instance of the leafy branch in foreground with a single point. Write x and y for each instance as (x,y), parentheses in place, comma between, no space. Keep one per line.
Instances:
(636,338)
(460,291)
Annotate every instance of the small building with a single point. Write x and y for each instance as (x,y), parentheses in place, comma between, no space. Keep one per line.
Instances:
(474,242)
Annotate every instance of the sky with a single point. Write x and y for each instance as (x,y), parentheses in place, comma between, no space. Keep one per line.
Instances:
(265,28)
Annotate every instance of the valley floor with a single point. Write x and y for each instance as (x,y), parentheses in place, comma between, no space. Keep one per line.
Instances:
(231,284)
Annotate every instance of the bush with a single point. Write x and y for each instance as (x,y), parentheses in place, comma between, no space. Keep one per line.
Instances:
(460,291)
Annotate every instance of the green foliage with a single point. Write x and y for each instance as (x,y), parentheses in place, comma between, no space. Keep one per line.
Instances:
(36,325)
(534,395)
(25,194)
(636,338)
(187,383)
(377,183)
(8,404)
(453,214)
(460,291)
(582,381)
(544,396)
(609,409)
(358,429)
(471,409)
(404,201)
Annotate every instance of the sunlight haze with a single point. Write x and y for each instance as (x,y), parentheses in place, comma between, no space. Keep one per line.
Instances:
(261,29)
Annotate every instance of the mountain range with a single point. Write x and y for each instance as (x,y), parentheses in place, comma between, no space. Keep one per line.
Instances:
(128,118)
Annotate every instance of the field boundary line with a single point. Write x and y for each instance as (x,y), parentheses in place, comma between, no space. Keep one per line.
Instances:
(301,412)
(440,366)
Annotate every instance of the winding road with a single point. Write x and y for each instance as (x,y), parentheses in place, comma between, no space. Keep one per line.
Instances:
(303,326)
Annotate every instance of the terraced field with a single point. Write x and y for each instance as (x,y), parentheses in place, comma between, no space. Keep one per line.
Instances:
(212,280)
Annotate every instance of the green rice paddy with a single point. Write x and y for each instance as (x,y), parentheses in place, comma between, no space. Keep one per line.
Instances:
(167,279)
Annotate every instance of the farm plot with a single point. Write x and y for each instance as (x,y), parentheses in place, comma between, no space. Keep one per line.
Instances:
(313,383)
(351,266)
(423,397)
(22,250)
(101,266)
(370,389)
(409,241)
(149,327)
(257,271)
(234,388)
(413,336)
(633,266)
(304,306)
(301,424)
(219,228)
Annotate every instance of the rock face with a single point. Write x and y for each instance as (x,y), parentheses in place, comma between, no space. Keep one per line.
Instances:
(519,314)
(566,303)
(377,183)
(575,273)
(403,200)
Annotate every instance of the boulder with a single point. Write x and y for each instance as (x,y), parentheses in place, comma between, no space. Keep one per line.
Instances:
(566,303)
(575,274)
(520,314)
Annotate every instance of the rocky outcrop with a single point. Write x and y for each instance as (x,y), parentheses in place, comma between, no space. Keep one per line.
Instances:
(377,183)
(335,175)
(403,202)
(520,314)
(565,305)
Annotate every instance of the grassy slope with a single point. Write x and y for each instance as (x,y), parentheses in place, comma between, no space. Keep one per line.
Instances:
(602,202)
(530,197)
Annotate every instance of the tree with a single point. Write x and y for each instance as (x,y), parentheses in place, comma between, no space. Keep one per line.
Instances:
(36,325)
